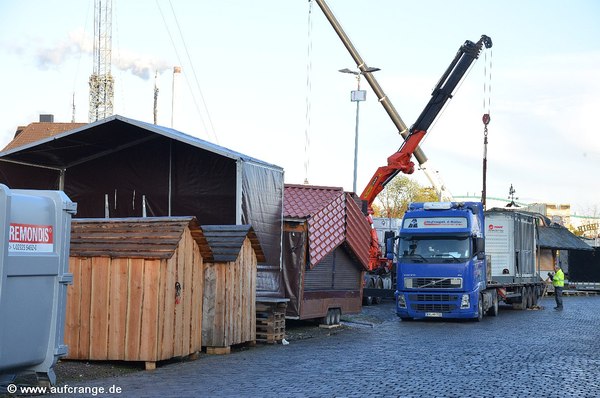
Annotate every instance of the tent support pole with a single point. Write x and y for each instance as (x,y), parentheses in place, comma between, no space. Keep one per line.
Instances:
(170,173)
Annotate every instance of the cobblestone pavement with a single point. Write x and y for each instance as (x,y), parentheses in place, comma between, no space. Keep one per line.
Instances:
(535,353)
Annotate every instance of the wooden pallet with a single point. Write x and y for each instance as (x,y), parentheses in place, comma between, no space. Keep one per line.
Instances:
(270,322)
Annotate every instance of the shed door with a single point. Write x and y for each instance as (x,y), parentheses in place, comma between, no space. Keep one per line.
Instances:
(336,271)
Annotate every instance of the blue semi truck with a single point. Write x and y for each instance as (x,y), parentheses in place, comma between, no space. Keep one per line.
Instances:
(443,267)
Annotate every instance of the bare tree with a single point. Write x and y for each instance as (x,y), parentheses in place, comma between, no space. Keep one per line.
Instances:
(398,193)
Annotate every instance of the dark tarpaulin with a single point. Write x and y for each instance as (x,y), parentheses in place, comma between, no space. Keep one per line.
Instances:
(584,265)
(294,255)
(200,183)
(18,176)
(262,207)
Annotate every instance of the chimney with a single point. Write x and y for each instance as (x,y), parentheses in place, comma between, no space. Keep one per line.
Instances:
(46,118)
(176,72)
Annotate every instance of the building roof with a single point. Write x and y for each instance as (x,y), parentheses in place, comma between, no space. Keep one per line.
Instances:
(560,238)
(38,131)
(333,218)
(62,150)
(153,237)
(304,201)
(157,237)
(225,242)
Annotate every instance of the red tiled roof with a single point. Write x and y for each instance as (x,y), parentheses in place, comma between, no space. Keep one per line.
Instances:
(333,218)
(38,131)
(303,201)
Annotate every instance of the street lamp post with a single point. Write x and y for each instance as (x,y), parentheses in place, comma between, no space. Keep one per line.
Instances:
(357,96)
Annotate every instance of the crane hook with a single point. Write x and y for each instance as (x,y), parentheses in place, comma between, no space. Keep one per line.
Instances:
(486,119)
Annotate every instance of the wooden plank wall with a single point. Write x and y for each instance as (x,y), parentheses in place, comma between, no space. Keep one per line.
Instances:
(125,308)
(229,311)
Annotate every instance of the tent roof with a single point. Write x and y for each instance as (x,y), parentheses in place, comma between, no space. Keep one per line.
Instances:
(103,137)
(558,237)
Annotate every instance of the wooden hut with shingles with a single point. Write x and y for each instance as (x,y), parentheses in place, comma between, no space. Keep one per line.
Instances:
(137,289)
(325,247)
(229,309)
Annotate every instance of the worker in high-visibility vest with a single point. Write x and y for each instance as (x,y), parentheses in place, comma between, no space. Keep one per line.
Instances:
(558,281)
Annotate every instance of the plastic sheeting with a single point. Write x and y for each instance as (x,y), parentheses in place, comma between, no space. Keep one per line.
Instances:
(262,207)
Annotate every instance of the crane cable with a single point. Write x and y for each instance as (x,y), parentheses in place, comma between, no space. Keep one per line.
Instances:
(487,94)
(308,93)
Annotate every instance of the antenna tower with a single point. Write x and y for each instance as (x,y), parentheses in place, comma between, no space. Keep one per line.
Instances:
(101,80)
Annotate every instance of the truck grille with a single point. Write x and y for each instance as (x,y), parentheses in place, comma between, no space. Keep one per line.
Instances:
(433,297)
(436,283)
(433,307)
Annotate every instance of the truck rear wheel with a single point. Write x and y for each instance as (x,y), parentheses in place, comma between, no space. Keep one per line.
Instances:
(493,311)
(378,285)
(369,300)
(479,309)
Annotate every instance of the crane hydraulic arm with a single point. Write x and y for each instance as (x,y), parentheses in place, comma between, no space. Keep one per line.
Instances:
(433,176)
(400,161)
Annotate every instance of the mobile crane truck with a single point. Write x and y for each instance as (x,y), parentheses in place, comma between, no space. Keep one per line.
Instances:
(379,280)
(444,270)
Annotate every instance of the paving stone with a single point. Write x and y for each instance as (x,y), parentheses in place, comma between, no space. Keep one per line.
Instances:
(534,353)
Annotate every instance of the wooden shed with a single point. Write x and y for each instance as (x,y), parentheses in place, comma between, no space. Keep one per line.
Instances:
(137,289)
(229,309)
(325,252)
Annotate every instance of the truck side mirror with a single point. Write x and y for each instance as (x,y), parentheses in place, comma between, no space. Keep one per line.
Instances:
(480,246)
(389,246)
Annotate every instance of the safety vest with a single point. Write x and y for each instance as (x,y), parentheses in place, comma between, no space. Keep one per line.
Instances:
(559,279)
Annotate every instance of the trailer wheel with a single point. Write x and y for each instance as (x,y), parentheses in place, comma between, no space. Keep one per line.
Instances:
(535,295)
(523,303)
(493,311)
(530,294)
(337,316)
(329,319)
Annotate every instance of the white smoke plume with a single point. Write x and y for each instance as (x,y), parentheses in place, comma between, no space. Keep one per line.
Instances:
(78,44)
(140,66)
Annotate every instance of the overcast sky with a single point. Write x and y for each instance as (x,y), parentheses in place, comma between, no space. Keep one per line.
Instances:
(244,83)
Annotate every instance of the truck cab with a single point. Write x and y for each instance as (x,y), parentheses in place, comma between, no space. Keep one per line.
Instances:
(441,266)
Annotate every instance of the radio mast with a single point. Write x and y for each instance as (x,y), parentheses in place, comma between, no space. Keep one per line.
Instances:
(101,80)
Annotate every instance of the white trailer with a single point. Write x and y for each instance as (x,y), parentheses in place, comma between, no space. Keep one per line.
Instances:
(511,248)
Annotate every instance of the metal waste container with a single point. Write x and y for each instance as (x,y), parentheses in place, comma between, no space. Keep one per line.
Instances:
(35,231)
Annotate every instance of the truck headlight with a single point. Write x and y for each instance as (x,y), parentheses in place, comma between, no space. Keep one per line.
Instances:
(465,302)
(401,301)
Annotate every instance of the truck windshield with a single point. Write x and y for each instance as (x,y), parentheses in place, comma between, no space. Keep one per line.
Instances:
(438,249)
